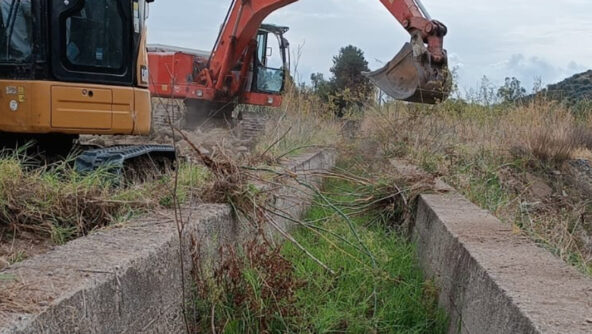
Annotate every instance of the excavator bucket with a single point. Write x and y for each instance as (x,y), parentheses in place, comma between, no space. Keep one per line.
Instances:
(410,76)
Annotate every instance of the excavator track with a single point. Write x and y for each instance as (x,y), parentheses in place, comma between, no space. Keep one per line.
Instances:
(115,158)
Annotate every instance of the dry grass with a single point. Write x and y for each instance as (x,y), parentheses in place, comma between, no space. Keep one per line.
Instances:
(303,122)
(546,130)
(16,298)
(583,133)
(507,159)
(549,133)
(250,290)
(58,203)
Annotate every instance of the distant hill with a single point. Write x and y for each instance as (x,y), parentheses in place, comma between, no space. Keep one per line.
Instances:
(572,90)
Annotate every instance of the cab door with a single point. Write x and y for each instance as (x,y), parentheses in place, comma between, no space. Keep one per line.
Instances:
(270,63)
(91,49)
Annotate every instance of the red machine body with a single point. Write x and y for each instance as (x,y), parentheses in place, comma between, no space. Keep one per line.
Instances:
(185,73)
(236,70)
(172,75)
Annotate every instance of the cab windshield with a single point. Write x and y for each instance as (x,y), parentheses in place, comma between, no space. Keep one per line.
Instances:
(16,30)
(270,65)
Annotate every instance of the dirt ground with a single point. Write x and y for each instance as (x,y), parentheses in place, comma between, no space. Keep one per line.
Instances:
(208,140)
(13,249)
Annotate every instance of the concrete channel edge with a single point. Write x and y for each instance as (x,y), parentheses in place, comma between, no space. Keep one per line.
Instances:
(128,279)
(491,279)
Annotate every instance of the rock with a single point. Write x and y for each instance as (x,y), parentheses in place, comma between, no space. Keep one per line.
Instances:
(537,187)
(579,174)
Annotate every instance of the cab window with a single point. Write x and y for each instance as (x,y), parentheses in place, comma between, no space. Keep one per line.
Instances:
(16,30)
(95,36)
(269,63)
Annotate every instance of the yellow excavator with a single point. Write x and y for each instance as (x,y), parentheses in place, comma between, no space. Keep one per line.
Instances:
(72,67)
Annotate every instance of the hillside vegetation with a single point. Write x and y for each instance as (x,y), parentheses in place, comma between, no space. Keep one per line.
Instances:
(574,88)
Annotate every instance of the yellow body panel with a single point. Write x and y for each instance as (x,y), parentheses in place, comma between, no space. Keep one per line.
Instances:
(81,108)
(61,107)
(143,120)
(124,107)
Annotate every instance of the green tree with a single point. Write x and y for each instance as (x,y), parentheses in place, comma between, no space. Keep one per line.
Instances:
(347,68)
(317,80)
(350,86)
(320,86)
(511,91)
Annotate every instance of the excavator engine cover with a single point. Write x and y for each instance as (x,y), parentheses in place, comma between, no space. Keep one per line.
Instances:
(411,76)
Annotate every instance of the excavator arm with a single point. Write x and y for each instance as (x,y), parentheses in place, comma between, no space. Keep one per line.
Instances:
(237,41)
(414,18)
(418,73)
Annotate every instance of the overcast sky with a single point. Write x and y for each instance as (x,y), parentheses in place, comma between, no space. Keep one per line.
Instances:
(529,39)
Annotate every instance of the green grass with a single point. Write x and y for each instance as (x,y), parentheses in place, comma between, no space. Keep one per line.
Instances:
(190,178)
(257,288)
(17,257)
(477,177)
(405,301)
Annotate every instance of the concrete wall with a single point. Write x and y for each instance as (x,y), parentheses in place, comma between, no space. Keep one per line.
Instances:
(128,279)
(491,279)
(165,110)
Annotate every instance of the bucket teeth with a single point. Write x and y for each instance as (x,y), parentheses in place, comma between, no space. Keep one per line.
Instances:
(410,76)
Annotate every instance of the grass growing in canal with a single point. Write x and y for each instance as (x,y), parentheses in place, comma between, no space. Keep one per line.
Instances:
(371,282)
(390,297)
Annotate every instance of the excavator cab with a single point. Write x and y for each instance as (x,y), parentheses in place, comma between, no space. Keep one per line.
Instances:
(271,61)
(260,75)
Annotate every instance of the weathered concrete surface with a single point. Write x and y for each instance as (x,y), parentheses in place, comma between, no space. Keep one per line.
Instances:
(128,279)
(291,199)
(493,280)
(125,280)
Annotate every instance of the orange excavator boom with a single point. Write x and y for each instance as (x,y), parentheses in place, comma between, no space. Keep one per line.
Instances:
(418,73)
